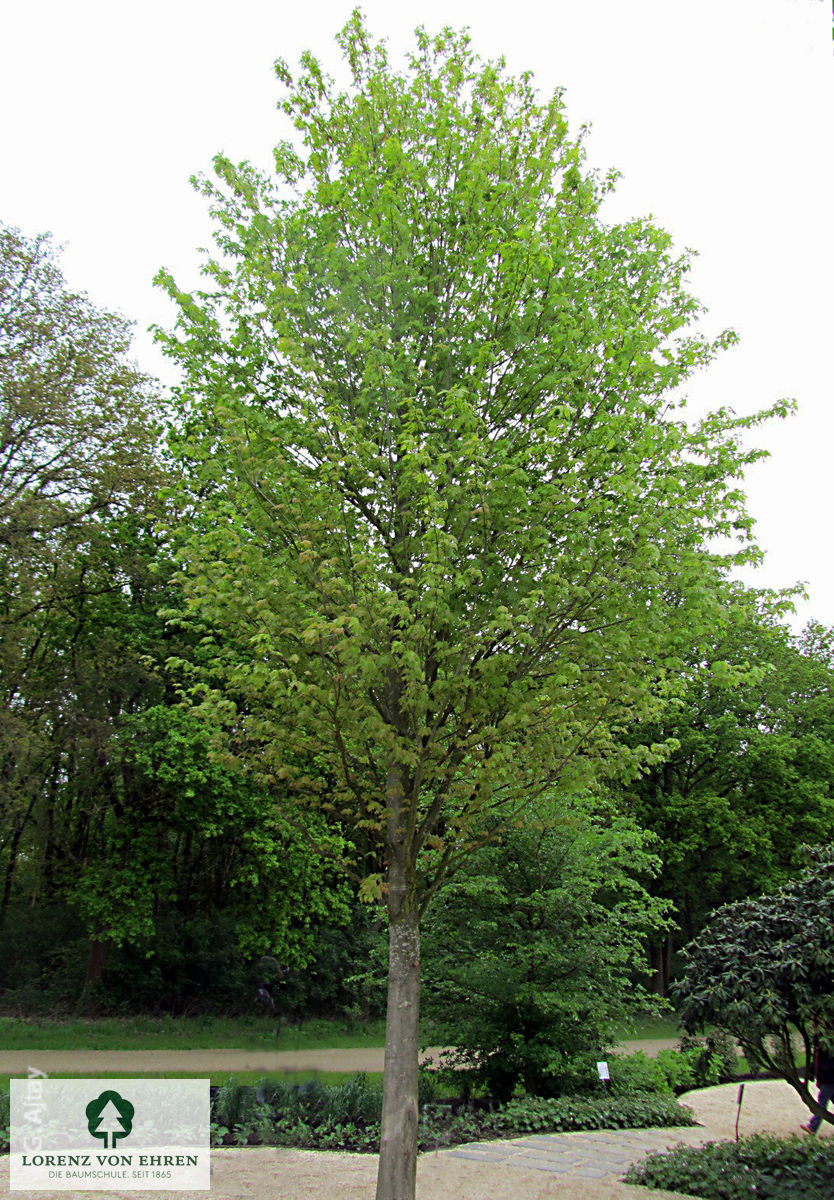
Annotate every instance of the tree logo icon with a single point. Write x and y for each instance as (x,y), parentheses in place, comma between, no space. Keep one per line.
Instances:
(109,1116)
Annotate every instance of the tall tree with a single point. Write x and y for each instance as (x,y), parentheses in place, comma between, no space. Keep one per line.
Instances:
(441,501)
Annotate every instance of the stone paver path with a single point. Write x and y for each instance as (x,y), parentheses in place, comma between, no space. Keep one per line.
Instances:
(606,1154)
(599,1154)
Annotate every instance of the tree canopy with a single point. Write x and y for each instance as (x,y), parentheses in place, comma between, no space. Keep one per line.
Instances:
(78,434)
(439,500)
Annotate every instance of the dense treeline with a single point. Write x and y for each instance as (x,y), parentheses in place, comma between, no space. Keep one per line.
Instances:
(120,837)
(748,777)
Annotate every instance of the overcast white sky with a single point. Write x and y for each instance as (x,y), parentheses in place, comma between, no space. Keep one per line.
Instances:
(719,113)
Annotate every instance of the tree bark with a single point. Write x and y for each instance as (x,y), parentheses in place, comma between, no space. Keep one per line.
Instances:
(656,987)
(98,952)
(397,1174)
(660,962)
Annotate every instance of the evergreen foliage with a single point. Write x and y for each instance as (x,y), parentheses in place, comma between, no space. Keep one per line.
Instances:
(763,971)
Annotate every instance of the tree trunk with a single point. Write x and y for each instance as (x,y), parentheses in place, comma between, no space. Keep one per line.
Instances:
(660,961)
(11,865)
(396,1179)
(656,987)
(98,952)
(397,1174)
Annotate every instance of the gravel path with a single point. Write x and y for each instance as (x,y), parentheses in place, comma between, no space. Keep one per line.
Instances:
(271,1062)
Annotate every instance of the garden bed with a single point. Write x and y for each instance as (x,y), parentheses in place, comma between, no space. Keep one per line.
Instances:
(346,1117)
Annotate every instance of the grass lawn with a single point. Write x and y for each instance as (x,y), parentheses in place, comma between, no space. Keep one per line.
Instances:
(207,1033)
(650,1027)
(228,1033)
(216,1078)
(185,1033)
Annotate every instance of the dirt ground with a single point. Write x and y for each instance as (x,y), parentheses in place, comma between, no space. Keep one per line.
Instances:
(298,1175)
(272,1174)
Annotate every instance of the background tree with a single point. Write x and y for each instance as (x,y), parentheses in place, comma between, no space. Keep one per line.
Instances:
(78,432)
(116,832)
(763,971)
(751,776)
(533,953)
(445,509)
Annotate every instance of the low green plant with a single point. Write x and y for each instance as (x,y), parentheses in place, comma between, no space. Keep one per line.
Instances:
(354,1100)
(347,1117)
(764,1167)
(234,1104)
(257,1129)
(563,1114)
(5,1122)
(312,1098)
(217,1133)
(363,1139)
(282,1095)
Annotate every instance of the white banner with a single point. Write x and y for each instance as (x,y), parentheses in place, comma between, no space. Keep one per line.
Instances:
(110,1134)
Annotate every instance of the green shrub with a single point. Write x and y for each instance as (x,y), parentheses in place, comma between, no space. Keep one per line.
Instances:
(535,1018)
(282,1096)
(696,1064)
(715,1057)
(635,1074)
(427,1081)
(346,1117)
(290,1101)
(564,1114)
(764,1167)
(671,1071)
